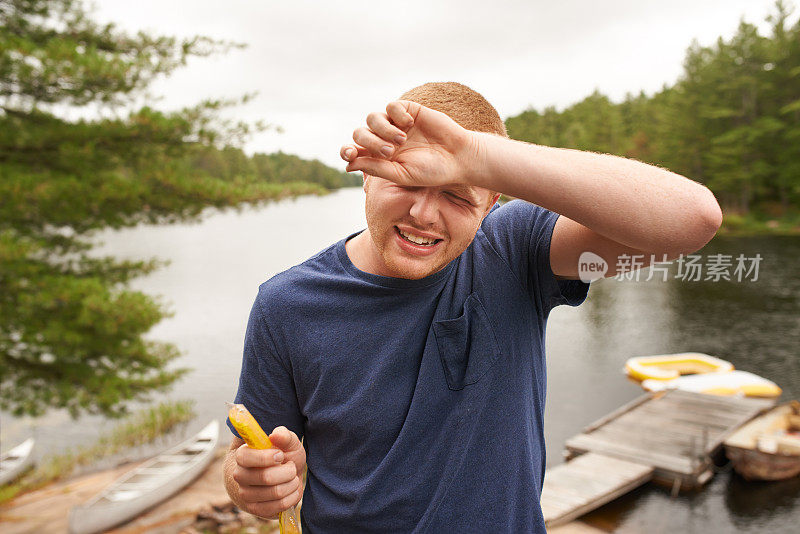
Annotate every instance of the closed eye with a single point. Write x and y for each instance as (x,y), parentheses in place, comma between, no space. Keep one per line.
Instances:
(457,197)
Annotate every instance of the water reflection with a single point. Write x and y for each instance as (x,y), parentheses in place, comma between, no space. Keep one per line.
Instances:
(755,504)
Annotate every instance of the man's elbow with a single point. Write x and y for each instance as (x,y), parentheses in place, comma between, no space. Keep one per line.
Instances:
(706,218)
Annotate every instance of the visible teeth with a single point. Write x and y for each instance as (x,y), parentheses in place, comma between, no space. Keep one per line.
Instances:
(417,239)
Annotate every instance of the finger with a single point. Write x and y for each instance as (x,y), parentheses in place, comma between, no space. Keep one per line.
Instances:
(399,113)
(369,140)
(350,152)
(247,457)
(378,167)
(265,476)
(285,440)
(269,493)
(380,125)
(270,509)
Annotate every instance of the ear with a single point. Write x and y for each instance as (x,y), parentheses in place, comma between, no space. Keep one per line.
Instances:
(492,202)
(364,177)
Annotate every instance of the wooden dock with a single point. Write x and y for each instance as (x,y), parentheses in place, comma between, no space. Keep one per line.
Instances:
(586,483)
(670,436)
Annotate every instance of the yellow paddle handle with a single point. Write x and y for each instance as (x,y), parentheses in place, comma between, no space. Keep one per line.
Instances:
(255,437)
(247,427)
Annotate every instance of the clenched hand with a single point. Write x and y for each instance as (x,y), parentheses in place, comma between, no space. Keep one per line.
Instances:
(412,145)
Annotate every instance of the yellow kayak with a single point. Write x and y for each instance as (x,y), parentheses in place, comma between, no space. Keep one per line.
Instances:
(729,383)
(671,366)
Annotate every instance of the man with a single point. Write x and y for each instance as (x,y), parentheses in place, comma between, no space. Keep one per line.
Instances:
(410,356)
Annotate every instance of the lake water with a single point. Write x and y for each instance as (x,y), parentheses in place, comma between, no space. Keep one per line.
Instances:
(217,265)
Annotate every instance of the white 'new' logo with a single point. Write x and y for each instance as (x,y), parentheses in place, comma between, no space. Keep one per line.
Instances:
(591,267)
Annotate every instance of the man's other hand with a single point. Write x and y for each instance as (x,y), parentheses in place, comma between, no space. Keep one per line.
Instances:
(412,145)
(269,480)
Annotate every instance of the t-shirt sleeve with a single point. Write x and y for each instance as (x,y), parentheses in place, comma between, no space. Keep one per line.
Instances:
(266,387)
(521,233)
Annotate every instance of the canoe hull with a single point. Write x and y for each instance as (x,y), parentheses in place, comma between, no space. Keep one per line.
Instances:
(16,461)
(763,448)
(100,514)
(102,517)
(753,464)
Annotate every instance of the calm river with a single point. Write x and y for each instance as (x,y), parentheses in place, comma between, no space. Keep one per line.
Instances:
(217,265)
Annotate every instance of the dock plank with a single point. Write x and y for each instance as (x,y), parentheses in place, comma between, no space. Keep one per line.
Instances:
(588,482)
(585,443)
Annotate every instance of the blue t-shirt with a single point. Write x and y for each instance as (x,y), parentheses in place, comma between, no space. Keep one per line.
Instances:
(421,401)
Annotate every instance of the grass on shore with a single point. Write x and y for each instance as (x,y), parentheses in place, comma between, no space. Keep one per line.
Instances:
(138,429)
(759,224)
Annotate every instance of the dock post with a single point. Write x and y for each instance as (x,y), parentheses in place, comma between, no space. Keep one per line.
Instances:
(676,487)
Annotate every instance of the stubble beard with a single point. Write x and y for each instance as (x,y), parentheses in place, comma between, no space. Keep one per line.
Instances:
(382,235)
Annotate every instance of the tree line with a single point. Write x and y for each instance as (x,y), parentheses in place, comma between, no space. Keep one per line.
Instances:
(230,162)
(731,121)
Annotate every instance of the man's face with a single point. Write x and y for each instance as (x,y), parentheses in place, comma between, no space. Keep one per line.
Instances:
(417,231)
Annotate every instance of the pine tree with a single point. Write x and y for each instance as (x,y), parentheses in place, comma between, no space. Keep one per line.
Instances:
(70,330)
(783,72)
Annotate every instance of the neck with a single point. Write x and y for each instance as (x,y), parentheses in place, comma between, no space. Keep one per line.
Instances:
(362,253)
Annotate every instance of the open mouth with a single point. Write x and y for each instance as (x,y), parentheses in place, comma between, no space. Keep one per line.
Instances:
(416,239)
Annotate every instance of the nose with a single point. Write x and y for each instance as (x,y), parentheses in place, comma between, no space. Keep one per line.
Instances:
(425,207)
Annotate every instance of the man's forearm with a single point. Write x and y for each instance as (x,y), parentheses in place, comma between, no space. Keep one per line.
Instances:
(639,205)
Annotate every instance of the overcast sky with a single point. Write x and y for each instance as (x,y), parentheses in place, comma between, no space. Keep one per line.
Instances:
(320,67)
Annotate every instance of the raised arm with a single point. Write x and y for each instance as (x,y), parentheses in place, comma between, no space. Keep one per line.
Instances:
(611,206)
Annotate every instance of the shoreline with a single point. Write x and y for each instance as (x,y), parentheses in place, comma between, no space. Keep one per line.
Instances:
(46,510)
(752,225)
